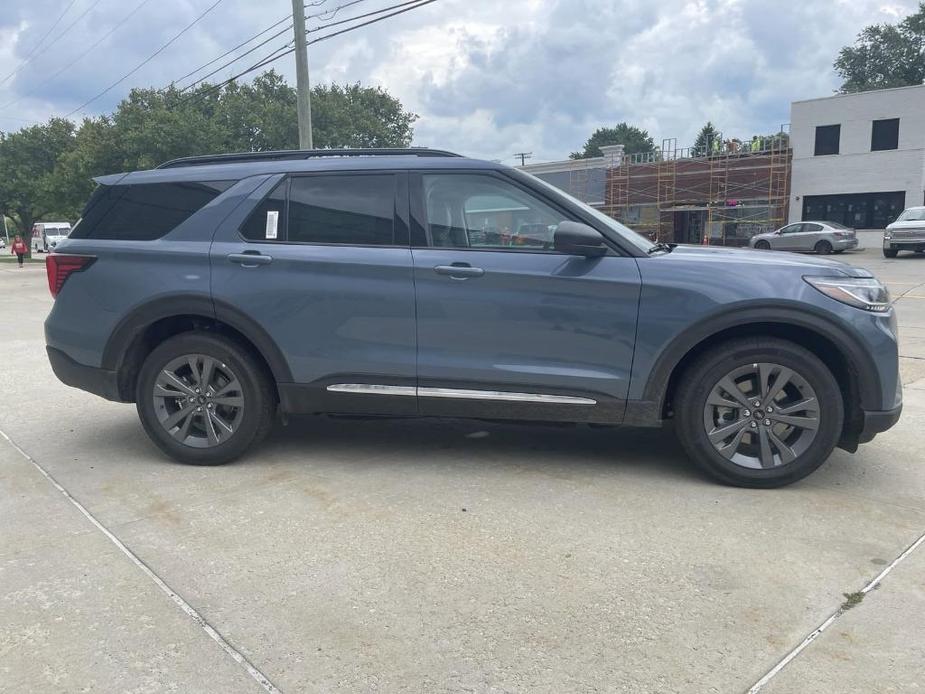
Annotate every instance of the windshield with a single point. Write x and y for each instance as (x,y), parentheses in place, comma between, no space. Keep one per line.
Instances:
(914,215)
(624,232)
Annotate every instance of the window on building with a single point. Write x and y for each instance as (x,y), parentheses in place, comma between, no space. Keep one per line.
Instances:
(884,134)
(857,210)
(268,221)
(145,211)
(827,139)
(357,210)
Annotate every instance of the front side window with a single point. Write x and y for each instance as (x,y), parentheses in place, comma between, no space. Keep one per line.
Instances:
(145,211)
(884,135)
(352,209)
(482,211)
(827,139)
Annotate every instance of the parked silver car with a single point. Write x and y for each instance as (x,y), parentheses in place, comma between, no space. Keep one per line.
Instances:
(810,237)
(907,233)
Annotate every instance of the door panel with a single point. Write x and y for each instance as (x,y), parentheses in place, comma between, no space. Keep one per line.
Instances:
(506,330)
(340,314)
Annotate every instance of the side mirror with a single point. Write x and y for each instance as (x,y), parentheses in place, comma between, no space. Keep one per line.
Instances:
(575,238)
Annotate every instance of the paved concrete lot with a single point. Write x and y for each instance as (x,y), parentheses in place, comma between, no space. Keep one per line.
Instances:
(444,556)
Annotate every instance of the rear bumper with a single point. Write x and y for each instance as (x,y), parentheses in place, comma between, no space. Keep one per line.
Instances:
(878,422)
(100,382)
(845,244)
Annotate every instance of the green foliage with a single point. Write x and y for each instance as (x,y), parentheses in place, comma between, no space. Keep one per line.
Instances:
(634,139)
(46,170)
(885,55)
(704,140)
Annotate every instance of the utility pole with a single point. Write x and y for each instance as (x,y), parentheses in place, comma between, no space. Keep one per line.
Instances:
(523,156)
(303,95)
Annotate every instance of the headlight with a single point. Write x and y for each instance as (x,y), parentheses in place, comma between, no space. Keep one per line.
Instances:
(887,235)
(865,293)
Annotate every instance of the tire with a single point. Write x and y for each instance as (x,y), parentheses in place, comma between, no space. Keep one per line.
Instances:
(763,246)
(744,466)
(890,252)
(246,409)
(839,252)
(823,248)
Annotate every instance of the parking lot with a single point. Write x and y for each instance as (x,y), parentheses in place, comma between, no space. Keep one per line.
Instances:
(446,556)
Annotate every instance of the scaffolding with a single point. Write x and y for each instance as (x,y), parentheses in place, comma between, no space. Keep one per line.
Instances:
(721,193)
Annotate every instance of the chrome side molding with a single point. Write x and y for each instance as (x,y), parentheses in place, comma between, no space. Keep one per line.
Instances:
(458,393)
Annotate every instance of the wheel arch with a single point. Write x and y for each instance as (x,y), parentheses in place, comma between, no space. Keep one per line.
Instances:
(834,345)
(151,323)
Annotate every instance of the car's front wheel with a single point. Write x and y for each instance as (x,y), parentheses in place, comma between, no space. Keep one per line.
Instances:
(203,399)
(758,412)
(762,245)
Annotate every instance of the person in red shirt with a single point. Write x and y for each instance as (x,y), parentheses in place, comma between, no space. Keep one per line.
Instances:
(19,248)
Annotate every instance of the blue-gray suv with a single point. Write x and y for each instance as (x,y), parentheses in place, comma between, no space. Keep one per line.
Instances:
(215,292)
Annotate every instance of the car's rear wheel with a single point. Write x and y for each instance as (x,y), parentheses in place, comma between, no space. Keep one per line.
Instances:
(823,248)
(763,245)
(758,412)
(890,252)
(203,399)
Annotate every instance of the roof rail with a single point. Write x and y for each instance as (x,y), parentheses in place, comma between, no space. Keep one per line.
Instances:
(294,154)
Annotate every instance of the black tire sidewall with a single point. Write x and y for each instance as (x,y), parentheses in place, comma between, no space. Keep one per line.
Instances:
(763,246)
(823,248)
(707,371)
(252,387)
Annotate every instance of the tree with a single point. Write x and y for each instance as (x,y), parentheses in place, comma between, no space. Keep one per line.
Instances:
(30,174)
(885,55)
(635,141)
(48,169)
(704,142)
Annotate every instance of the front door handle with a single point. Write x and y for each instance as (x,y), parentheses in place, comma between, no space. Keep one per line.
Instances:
(250,259)
(459,271)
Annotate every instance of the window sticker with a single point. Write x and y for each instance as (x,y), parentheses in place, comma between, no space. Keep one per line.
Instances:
(272,223)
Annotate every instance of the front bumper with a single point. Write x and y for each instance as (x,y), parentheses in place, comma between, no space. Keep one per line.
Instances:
(877,422)
(100,382)
(903,243)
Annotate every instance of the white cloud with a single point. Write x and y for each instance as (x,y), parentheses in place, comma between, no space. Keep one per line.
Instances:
(487,77)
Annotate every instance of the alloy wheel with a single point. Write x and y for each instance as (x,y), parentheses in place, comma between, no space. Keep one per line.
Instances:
(761,415)
(198,400)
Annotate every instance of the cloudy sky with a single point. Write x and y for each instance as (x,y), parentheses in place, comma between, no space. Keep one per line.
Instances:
(487,77)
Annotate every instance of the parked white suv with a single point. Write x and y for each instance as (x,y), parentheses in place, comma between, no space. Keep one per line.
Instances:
(907,233)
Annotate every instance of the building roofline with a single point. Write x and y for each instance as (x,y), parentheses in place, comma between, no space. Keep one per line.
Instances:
(868,91)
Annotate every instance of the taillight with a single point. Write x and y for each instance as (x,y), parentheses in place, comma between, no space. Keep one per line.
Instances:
(60,266)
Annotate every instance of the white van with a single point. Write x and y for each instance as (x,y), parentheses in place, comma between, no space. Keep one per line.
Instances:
(47,235)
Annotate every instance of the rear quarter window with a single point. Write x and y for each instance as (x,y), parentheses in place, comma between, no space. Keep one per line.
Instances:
(145,211)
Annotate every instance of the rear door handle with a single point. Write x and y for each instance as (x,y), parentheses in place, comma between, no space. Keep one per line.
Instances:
(252,259)
(459,271)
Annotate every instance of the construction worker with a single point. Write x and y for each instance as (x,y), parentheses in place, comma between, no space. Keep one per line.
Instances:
(756,144)
(717,145)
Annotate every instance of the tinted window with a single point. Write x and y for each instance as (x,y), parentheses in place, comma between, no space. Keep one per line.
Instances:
(353,209)
(478,211)
(827,139)
(792,229)
(884,134)
(145,211)
(857,210)
(268,220)
(812,227)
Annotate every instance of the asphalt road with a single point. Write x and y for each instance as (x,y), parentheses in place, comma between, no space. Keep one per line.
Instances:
(445,556)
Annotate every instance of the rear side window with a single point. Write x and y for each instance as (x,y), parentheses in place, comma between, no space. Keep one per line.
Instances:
(268,220)
(357,210)
(145,211)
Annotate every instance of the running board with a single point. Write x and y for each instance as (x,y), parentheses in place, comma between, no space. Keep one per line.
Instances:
(456,393)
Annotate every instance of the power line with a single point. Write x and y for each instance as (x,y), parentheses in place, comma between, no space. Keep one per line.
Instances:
(232,50)
(80,57)
(146,60)
(234,60)
(39,43)
(286,50)
(324,26)
(333,11)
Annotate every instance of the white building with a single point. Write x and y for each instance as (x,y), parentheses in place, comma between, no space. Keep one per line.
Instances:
(858,159)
